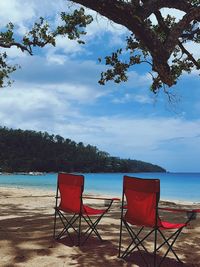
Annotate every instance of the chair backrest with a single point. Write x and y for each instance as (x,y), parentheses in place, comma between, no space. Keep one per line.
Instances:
(71,188)
(142,196)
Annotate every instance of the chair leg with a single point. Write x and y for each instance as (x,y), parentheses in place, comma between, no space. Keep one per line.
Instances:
(91,228)
(155,245)
(79,231)
(67,224)
(54,227)
(135,236)
(170,246)
(126,253)
(120,239)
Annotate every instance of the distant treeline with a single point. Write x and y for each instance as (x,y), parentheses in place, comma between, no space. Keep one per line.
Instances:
(25,151)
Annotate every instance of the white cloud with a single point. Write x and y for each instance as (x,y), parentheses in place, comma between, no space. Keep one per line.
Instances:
(193,48)
(56,108)
(64,48)
(67,46)
(141,133)
(142,99)
(21,12)
(138,80)
(54,93)
(15,11)
(144,138)
(101,24)
(27,96)
(14,52)
(178,14)
(40,106)
(29,106)
(53,58)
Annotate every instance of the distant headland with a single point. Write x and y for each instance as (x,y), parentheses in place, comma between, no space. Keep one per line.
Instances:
(30,151)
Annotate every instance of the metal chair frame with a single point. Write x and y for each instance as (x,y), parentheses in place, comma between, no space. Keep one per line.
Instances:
(69,223)
(137,241)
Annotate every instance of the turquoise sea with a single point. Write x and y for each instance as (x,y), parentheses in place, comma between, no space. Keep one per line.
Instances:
(174,186)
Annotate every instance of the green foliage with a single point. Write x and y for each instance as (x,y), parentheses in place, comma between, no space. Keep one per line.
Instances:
(74,24)
(161,45)
(152,43)
(5,70)
(136,55)
(195,2)
(25,151)
(182,60)
(7,36)
(40,35)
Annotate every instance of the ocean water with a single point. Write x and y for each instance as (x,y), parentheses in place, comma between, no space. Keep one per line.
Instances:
(174,186)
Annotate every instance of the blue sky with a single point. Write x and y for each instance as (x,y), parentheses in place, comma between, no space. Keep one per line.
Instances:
(57,91)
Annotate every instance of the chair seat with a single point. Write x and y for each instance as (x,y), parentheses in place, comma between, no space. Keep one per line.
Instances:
(86,210)
(91,211)
(169,225)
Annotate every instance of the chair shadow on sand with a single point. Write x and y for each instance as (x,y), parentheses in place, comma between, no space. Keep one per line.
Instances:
(26,234)
(105,254)
(98,254)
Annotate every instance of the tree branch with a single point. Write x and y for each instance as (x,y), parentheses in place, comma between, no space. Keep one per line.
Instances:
(167,31)
(152,6)
(134,18)
(18,45)
(190,35)
(178,29)
(190,56)
(158,41)
(122,13)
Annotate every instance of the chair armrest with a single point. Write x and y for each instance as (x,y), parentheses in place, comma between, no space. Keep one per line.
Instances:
(116,199)
(107,201)
(179,210)
(196,210)
(102,198)
(174,209)
(191,213)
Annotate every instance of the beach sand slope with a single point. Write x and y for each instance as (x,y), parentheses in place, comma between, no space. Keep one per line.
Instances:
(26,229)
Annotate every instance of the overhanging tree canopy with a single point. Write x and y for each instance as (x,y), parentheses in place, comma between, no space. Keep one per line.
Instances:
(160,44)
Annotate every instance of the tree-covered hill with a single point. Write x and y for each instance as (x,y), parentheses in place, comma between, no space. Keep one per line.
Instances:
(25,151)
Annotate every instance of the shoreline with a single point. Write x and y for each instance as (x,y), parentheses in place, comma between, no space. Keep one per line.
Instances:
(94,193)
(179,188)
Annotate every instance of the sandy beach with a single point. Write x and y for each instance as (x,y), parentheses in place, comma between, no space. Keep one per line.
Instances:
(26,228)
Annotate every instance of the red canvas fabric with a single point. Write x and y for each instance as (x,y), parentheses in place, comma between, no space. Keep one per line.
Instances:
(90,211)
(71,188)
(141,184)
(168,225)
(70,199)
(71,211)
(70,179)
(141,208)
(141,196)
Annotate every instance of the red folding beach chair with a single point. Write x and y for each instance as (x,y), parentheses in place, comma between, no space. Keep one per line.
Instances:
(71,210)
(140,211)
